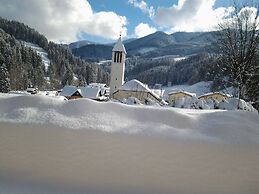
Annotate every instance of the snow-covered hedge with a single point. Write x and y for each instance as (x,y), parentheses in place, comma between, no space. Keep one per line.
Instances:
(230,104)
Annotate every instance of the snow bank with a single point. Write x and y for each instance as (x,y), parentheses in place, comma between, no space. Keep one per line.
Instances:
(169,150)
(230,104)
(116,117)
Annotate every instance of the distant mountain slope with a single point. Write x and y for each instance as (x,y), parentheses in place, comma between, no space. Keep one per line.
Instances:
(79,44)
(154,45)
(156,40)
(94,51)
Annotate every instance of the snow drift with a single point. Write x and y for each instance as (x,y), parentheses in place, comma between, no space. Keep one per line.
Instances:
(115,117)
(48,145)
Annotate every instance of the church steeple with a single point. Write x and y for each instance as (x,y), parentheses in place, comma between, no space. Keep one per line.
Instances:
(117,66)
(119,46)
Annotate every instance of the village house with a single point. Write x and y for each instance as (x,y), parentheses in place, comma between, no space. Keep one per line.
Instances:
(176,95)
(70,92)
(218,96)
(135,88)
(91,92)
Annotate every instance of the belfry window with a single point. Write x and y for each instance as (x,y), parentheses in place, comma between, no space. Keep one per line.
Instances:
(117,57)
(120,57)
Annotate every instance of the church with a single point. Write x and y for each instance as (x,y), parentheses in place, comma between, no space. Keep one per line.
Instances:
(133,88)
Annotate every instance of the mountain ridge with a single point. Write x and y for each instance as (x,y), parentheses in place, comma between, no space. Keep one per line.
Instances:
(153,45)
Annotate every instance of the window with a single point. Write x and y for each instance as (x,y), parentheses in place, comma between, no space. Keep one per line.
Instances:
(117,57)
(120,57)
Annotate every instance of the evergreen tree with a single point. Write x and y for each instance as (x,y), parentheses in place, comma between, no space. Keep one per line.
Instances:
(4,79)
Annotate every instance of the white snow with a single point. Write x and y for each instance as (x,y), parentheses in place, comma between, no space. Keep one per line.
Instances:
(68,91)
(135,85)
(85,113)
(198,88)
(174,57)
(41,52)
(48,145)
(146,49)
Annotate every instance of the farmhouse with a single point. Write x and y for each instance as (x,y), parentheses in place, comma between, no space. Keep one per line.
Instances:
(218,96)
(176,95)
(135,88)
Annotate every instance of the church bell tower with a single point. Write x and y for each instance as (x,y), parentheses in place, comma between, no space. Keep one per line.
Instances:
(117,66)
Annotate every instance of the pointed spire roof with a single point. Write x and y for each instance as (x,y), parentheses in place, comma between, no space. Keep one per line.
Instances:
(119,46)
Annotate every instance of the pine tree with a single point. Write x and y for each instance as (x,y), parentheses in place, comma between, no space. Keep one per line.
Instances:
(4,79)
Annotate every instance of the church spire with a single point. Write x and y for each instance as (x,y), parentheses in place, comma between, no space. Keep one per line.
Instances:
(119,46)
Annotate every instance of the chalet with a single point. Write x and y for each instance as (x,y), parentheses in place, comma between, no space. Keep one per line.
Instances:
(176,95)
(218,96)
(73,92)
(135,88)
(70,92)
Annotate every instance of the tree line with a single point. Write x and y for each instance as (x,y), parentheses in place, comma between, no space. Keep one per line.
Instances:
(163,70)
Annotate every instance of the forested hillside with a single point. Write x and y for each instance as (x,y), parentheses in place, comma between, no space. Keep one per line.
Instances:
(163,70)
(24,67)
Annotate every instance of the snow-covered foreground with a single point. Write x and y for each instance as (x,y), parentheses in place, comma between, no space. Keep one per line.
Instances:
(48,145)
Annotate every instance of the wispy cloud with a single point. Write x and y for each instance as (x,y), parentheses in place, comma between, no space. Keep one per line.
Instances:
(64,20)
(143,6)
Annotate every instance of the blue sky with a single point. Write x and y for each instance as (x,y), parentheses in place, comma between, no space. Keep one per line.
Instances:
(135,15)
(102,20)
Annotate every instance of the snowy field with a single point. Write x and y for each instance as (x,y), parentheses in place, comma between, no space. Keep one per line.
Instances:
(48,145)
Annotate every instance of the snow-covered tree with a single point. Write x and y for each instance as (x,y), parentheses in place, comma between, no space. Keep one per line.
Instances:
(4,79)
(238,43)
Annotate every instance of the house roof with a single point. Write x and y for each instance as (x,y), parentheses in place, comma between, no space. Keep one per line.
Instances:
(135,85)
(68,91)
(119,46)
(85,92)
(89,92)
(181,91)
(213,93)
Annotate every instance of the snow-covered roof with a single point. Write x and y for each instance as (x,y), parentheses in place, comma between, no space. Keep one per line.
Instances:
(212,93)
(158,92)
(68,91)
(101,85)
(119,46)
(89,92)
(86,92)
(182,91)
(135,85)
